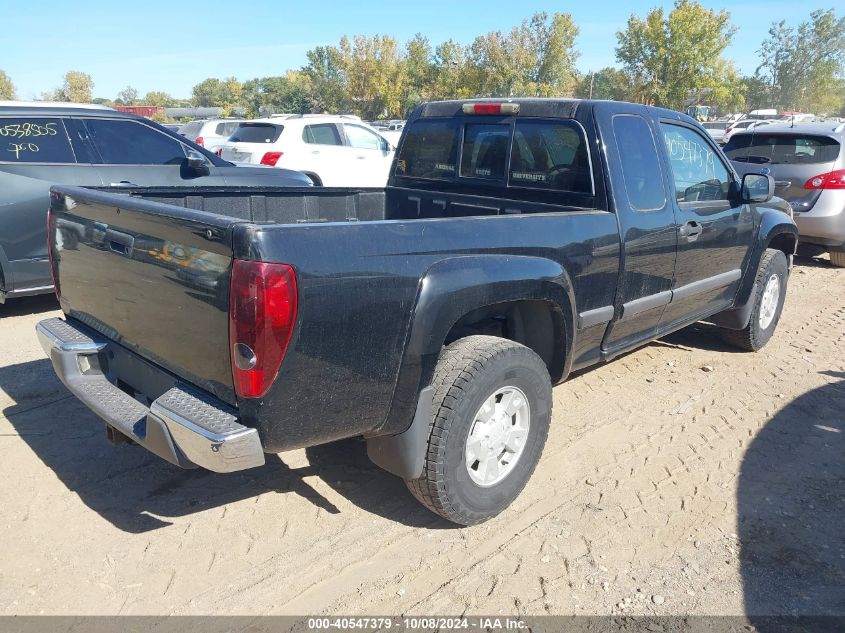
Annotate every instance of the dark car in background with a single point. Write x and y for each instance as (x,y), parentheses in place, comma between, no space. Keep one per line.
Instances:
(42,144)
(808,164)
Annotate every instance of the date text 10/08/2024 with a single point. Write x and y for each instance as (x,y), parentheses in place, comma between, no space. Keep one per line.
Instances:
(417,623)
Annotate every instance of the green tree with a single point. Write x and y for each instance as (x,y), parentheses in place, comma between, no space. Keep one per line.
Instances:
(674,59)
(802,66)
(325,73)
(607,83)
(536,58)
(453,76)
(156,98)
(127,96)
(207,93)
(77,88)
(277,95)
(419,72)
(374,75)
(7,88)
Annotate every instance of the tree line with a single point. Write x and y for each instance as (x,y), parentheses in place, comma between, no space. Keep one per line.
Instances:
(671,59)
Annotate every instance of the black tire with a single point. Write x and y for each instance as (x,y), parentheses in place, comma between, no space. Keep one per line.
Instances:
(837,259)
(468,372)
(754,336)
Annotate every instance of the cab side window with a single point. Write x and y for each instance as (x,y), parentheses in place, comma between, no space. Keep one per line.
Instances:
(133,143)
(34,140)
(321,134)
(699,174)
(361,138)
(641,170)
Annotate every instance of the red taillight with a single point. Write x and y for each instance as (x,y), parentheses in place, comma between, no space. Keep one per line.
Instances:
(200,141)
(271,158)
(262,313)
(50,253)
(491,108)
(830,180)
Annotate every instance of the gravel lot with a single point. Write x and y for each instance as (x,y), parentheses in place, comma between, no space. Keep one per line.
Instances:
(684,478)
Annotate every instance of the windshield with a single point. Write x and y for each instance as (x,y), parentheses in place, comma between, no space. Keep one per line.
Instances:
(779,149)
(256,133)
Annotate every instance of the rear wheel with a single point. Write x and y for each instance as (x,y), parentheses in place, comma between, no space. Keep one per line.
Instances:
(769,295)
(491,414)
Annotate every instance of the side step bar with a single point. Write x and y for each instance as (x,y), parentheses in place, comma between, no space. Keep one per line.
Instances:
(182,426)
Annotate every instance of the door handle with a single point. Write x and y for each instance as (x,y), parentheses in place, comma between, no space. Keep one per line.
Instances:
(691,230)
(122,183)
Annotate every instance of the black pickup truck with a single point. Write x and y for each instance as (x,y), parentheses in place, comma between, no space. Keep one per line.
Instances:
(516,241)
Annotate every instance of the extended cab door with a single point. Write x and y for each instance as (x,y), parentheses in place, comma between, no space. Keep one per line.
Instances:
(714,229)
(129,152)
(639,194)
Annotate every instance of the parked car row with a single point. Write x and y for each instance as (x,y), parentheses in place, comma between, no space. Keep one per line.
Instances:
(807,162)
(334,151)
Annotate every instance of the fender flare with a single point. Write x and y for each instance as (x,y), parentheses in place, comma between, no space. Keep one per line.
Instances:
(453,287)
(773,223)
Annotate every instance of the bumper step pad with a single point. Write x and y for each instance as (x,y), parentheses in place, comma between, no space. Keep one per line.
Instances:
(183,426)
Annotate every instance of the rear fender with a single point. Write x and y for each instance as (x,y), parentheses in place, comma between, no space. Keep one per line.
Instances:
(454,287)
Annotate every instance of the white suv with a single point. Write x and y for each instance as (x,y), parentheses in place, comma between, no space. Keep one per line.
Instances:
(334,151)
(209,133)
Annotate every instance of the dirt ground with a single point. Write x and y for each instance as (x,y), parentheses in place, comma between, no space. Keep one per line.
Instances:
(684,478)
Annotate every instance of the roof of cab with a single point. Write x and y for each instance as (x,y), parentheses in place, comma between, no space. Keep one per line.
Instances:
(542,107)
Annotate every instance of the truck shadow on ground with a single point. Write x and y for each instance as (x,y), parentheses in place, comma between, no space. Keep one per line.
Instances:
(138,492)
(791,512)
(28,305)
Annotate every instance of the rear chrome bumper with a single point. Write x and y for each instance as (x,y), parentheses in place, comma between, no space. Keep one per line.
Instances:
(184,427)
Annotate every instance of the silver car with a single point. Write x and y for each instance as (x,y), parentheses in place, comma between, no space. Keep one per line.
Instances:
(807,161)
(716,129)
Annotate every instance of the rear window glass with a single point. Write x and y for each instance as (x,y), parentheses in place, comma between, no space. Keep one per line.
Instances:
(791,149)
(191,129)
(430,150)
(550,155)
(545,155)
(323,134)
(39,140)
(640,166)
(485,151)
(226,128)
(256,133)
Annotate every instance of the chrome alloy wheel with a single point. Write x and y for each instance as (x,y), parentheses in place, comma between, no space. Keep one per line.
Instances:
(498,436)
(769,302)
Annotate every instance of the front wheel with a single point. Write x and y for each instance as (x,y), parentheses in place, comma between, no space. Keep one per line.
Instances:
(769,295)
(491,414)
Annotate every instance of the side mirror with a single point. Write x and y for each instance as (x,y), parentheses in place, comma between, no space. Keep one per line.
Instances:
(196,164)
(757,188)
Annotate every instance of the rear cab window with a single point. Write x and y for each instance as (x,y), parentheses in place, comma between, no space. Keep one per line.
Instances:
(34,140)
(522,154)
(256,133)
(782,149)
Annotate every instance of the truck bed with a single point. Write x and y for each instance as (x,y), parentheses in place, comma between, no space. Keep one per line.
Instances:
(154,277)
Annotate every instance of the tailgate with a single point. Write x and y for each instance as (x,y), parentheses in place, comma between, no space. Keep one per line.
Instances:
(152,277)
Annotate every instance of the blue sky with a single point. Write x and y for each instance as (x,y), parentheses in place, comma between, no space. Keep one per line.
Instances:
(170,46)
